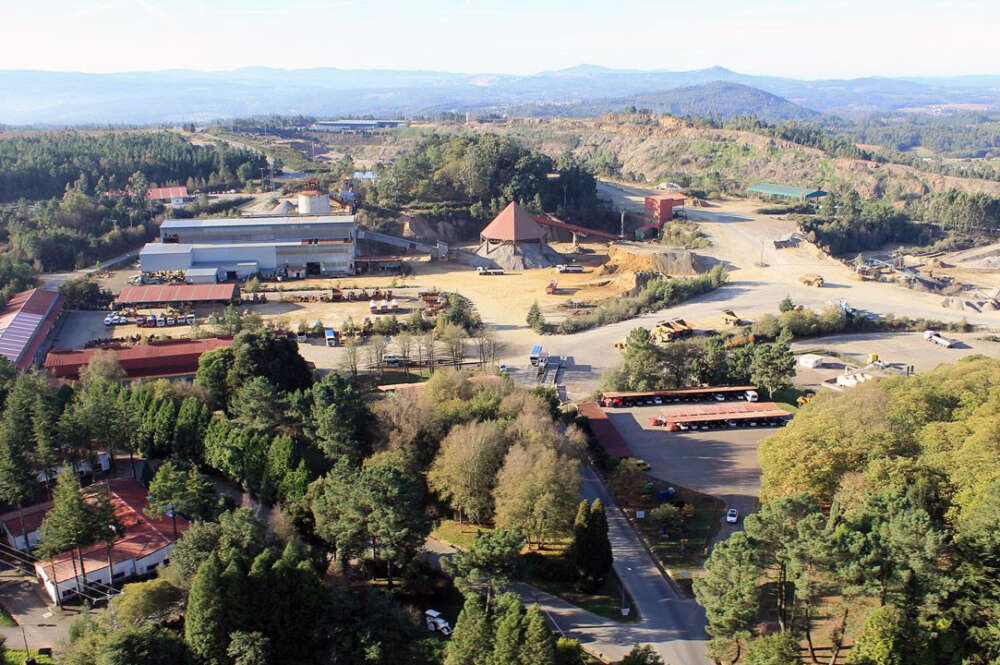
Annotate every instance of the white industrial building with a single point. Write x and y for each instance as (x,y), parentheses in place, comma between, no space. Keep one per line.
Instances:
(210,249)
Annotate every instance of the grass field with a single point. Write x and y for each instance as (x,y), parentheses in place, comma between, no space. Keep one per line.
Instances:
(5,619)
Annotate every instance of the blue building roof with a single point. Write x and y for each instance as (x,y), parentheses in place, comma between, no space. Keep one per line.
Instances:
(788,191)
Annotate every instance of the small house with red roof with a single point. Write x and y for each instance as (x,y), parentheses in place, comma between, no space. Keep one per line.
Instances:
(143,544)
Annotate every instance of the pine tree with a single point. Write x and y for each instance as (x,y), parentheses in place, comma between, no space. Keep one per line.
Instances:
(535,320)
(508,633)
(470,640)
(601,557)
(204,624)
(539,647)
(163,427)
(18,481)
(189,431)
(71,523)
(581,531)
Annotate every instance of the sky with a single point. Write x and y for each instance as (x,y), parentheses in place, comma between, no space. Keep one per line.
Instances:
(804,38)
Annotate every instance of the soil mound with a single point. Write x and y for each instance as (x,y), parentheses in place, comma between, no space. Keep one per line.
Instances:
(519,256)
(664,260)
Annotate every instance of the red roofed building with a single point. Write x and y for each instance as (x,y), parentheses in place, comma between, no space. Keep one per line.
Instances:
(514,240)
(25,324)
(158,359)
(175,195)
(170,294)
(513,224)
(604,430)
(144,544)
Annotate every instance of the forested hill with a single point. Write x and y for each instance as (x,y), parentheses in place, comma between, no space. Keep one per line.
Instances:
(881,515)
(718,99)
(40,165)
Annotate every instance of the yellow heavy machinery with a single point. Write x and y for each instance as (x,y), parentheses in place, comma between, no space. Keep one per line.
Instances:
(730,319)
(812,280)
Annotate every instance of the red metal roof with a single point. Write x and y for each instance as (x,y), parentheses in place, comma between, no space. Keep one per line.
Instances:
(677,197)
(605,431)
(143,535)
(513,224)
(177,293)
(685,413)
(548,220)
(166,193)
(157,358)
(681,392)
(25,322)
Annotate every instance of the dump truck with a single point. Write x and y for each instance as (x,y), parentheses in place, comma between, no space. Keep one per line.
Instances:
(621,345)
(552,287)
(481,270)
(934,336)
(730,319)
(812,279)
(668,331)
(568,268)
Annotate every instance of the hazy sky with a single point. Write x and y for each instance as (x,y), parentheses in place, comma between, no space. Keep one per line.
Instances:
(805,38)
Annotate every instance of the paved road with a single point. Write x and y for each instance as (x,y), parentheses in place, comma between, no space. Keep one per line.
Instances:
(44,625)
(673,625)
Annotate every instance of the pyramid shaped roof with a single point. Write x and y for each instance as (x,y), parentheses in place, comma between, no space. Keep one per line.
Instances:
(513,224)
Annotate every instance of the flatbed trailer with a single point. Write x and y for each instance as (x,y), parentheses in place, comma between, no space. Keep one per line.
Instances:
(615,399)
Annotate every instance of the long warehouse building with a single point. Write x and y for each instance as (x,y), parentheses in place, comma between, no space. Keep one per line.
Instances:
(210,250)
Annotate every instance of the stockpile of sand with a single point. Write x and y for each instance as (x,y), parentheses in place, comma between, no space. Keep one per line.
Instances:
(987,257)
(519,256)
(625,256)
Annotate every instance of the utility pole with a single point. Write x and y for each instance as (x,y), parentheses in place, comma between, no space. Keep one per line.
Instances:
(621,234)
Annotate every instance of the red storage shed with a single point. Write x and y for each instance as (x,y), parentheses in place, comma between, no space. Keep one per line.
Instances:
(157,359)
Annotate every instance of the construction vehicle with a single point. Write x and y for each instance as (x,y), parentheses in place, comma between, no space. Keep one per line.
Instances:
(568,268)
(552,287)
(668,331)
(730,319)
(481,270)
(621,345)
(812,279)
(872,358)
(934,336)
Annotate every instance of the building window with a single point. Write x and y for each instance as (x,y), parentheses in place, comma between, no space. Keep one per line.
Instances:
(150,567)
(66,592)
(119,575)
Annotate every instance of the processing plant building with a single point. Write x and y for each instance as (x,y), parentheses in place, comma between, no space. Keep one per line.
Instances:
(215,249)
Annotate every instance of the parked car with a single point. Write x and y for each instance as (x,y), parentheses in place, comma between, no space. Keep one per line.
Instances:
(436,622)
(732,516)
(719,397)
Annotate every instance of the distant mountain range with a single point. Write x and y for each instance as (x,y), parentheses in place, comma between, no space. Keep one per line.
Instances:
(66,98)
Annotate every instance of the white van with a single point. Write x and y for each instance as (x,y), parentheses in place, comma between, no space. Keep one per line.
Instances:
(751,395)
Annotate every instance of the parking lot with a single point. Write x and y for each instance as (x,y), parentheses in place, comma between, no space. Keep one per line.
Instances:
(720,462)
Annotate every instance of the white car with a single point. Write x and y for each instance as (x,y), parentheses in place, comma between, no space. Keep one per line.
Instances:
(732,516)
(436,622)
(719,397)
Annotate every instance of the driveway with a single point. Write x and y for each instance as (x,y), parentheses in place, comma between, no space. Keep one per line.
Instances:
(722,463)
(44,625)
(675,626)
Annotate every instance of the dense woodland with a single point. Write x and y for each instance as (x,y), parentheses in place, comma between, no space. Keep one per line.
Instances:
(356,487)
(483,173)
(878,528)
(41,166)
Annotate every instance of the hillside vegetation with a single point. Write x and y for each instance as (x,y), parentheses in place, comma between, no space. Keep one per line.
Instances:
(655,149)
(878,530)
